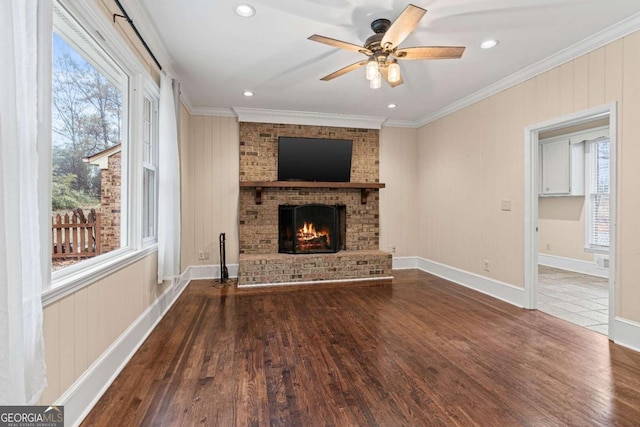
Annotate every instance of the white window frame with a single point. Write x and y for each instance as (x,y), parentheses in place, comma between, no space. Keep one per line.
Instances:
(588,247)
(153,95)
(100,43)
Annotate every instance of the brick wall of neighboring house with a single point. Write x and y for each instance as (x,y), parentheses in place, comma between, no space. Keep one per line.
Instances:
(110,204)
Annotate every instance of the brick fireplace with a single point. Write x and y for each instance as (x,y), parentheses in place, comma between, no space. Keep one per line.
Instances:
(261,262)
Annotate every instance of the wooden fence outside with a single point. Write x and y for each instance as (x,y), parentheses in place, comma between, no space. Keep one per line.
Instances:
(76,236)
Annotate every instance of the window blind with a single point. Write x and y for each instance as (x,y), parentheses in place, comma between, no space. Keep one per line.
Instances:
(598,193)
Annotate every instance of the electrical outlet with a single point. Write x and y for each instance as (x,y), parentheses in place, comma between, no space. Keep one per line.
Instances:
(486,265)
(392,249)
(201,255)
(548,247)
(207,255)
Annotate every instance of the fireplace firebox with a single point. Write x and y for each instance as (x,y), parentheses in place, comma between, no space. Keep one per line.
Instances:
(311,228)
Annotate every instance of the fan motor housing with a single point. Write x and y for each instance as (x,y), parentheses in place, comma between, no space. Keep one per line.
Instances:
(379,27)
(373,42)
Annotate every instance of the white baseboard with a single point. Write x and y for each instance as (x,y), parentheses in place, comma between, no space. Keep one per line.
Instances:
(627,333)
(494,288)
(85,392)
(203,272)
(570,264)
(404,263)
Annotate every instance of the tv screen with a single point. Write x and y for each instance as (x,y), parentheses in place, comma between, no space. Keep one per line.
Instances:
(311,159)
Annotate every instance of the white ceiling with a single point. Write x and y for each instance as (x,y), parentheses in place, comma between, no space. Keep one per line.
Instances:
(217,55)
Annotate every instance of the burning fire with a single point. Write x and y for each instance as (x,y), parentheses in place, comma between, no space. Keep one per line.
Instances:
(308,233)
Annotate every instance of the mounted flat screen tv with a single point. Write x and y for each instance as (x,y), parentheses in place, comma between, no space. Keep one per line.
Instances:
(312,159)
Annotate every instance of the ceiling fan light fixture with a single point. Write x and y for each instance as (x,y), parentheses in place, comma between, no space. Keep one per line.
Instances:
(372,69)
(382,48)
(376,82)
(245,10)
(394,72)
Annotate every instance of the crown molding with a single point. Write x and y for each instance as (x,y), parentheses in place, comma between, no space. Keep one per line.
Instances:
(401,124)
(212,111)
(595,41)
(258,115)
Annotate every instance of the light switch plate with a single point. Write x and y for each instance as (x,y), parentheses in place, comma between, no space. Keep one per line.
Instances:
(505,205)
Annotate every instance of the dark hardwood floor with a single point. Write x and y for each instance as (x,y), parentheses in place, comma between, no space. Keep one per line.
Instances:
(421,352)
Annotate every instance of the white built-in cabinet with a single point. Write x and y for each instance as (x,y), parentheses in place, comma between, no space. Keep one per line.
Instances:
(561,167)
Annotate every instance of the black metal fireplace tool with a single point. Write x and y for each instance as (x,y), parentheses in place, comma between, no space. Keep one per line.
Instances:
(224,273)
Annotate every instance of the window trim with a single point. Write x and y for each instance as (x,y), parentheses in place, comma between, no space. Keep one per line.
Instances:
(93,21)
(71,283)
(152,92)
(588,247)
(597,250)
(80,40)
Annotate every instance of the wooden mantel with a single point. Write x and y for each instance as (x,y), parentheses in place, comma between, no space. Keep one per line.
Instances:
(364,187)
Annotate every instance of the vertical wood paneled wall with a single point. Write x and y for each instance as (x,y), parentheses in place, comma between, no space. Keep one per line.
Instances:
(81,326)
(472,159)
(398,200)
(210,188)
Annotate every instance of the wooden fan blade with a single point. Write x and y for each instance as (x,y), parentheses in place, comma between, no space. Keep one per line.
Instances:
(340,44)
(402,26)
(385,74)
(344,70)
(430,52)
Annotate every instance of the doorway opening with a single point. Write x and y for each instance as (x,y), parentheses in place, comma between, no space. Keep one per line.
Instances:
(570,193)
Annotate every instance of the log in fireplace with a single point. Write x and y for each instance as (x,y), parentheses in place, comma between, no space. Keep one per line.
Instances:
(311,228)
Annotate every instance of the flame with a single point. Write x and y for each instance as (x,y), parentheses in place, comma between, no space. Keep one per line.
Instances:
(308,232)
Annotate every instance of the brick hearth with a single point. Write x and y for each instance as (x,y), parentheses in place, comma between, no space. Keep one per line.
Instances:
(285,268)
(260,262)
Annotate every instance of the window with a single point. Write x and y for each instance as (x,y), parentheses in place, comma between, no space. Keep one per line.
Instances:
(104,150)
(149,167)
(89,97)
(597,174)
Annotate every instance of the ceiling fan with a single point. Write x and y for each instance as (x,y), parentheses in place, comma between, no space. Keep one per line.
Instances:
(383,50)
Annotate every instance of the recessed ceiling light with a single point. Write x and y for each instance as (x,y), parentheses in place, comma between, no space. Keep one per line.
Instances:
(247,93)
(391,106)
(245,10)
(488,44)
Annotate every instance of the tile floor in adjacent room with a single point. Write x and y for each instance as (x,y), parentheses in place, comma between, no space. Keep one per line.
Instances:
(577,298)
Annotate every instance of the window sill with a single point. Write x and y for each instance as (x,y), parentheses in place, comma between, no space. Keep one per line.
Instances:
(597,250)
(71,283)
(149,241)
